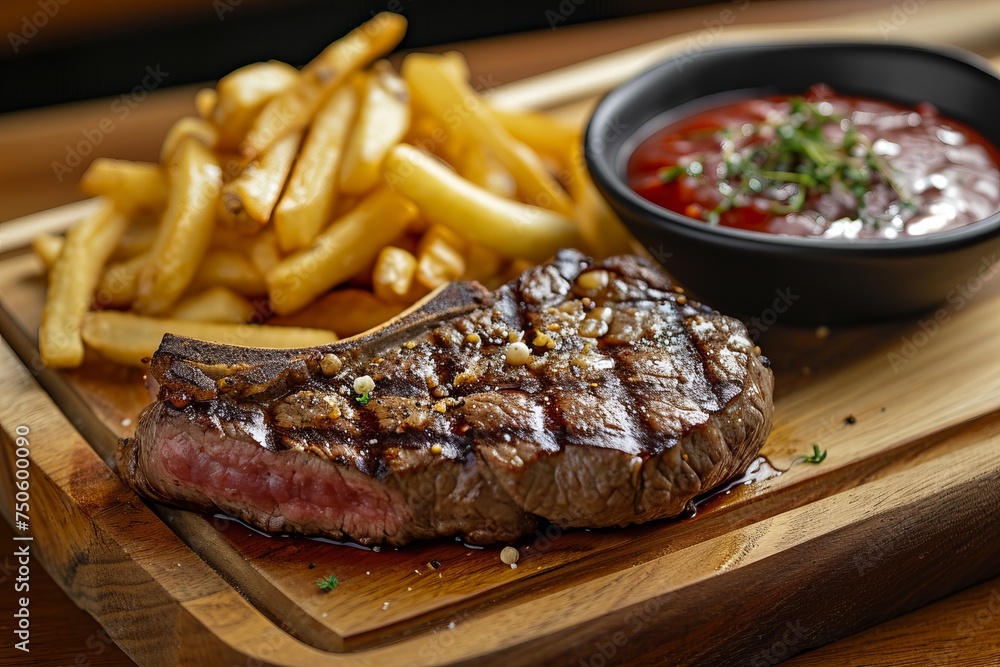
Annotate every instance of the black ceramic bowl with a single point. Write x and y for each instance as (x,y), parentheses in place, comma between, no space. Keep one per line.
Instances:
(806,280)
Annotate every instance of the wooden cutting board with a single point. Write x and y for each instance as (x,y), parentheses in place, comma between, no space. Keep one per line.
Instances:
(903,510)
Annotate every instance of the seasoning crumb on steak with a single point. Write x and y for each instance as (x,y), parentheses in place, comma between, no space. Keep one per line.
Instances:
(586,394)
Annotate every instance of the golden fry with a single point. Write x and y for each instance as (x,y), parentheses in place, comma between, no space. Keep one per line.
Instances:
(292,109)
(382,122)
(72,281)
(264,251)
(482,263)
(190,126)
(484,170)
(47,247)
(340,252)
(392,278)
(541,132)
(185,230)
(205,101)
(309,198)
(138,239)
(323,154)
(347,311)
(229,268)
(429,135)
(243,93)
(439,262)
(457,105)
(604,234)
(118,283)
(128,338)
(134,187)
(248,200)
(216,304)
(444,197)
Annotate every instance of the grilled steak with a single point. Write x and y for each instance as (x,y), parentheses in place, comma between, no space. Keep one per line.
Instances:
(621,402)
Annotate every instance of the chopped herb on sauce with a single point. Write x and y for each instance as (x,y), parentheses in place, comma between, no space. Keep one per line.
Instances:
(793,159)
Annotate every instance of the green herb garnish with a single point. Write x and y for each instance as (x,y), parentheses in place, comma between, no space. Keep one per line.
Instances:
(327,584)
(364,398)
(791,159)
(816,457)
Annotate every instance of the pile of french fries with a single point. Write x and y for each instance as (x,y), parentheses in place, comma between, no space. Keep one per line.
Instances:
(303,205)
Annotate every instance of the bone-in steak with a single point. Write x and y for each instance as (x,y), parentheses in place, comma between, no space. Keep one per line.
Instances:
(630,401)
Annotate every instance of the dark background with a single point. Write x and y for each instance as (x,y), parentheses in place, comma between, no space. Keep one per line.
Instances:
(82,49)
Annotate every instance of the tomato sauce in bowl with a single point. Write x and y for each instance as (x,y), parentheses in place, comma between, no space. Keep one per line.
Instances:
(820,165)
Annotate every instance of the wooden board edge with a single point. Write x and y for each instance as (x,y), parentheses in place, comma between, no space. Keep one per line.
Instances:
(19,233)
(160,601)
(804,561)
(209,620)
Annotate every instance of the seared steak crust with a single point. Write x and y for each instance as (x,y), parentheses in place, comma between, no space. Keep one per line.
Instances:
(632,401)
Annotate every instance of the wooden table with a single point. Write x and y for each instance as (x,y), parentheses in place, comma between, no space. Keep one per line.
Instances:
(961,629)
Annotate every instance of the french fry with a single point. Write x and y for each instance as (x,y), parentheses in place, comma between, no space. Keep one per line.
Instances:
(484,170)
(47,247)
(444,197)
(292,109)
(439,262)
(340,252)
(318,153)
(72,280)
(457,63)
(483,264)
(346,311)
(205,101)
(456,104)
(248,200)
(604,234)
(392,278)
(128,338)
(264,252)
(305,206)
(229,268)
(189,126)
(541,132)
(137,239)
(134,187)
(383,120)
(118,283)
(185,230)
(441,232)
(243,93)
(431,136)
(216,304)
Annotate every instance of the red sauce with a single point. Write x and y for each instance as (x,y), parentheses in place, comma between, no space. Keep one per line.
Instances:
(919,172)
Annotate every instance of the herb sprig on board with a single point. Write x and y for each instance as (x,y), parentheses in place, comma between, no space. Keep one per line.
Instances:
(791,160)
(327,584)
